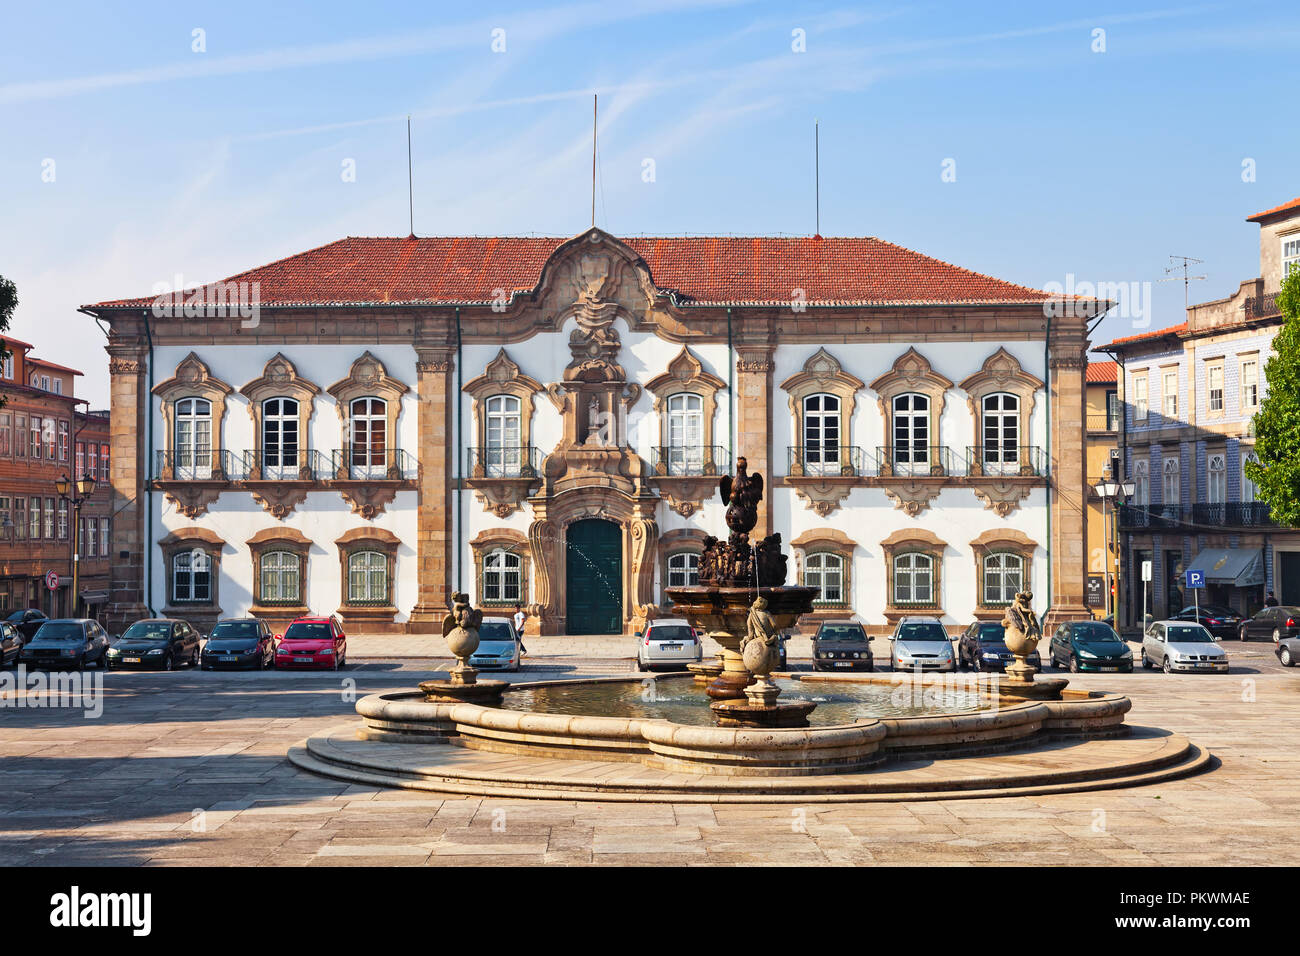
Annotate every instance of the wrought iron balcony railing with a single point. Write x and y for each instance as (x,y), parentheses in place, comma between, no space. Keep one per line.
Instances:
(198,465)
(916,460)
(827,460)
(1262,306)
(362,463)
(1005,460)
(689,460)
(277,464)
(1233,514)
(504,461)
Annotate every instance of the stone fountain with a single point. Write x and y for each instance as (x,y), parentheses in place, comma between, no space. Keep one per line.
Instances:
(1021,634)
(742,602)
(460,628)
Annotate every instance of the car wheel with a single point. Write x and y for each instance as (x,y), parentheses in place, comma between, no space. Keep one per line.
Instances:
(194,658)
(1241,633)
(1167,667)
(167,663)
(1277,636)
(1074,663)
(1284,655)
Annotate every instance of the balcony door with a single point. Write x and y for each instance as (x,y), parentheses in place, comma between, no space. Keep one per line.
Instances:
(911,441)
(280,438)
(1001,452)
(369,447)
(193,439)
(821,435)
(685,449)
(502,451)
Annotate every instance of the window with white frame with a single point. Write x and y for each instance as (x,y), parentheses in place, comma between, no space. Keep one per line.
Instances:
(913,578)
(824,570)
(89,534)
(821,434)
(193,439)
(63,520)
(1140,399)
(280,438)
(369,445)
(911,438)
(1141,483)
(1249,490)
(368,578)
(1214,386)
(1172,487)
(1169,393)
(1004,575)
(683,569)
(685,434)
(49,519)
(103,536)
(501,418)
(503,577)
(1290,254)
(1001,436)
(191,577)
(63,441)
(281,578)
(1216,469)
(1249,383)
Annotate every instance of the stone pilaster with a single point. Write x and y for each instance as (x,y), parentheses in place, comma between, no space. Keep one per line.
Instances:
(129,472)
(435,523)
(1067,494)
(754,365)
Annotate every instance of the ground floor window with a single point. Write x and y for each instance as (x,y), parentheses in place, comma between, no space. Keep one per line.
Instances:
(281,578)
(825,570)
(683,569)
(913,579)
(1004,576)
(502,577)
(368,578)
(191,577)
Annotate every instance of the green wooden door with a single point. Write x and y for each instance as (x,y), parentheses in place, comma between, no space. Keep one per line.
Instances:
(594,577)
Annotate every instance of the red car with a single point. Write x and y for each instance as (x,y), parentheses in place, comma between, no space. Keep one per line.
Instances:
(316,642)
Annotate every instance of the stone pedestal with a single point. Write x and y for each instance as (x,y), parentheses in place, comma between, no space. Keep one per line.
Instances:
(706,671)
(744,713)
(485,693)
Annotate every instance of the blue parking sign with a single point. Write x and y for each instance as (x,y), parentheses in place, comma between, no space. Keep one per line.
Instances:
(1195,580)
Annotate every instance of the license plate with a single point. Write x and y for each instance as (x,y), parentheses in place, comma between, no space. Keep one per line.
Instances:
(227,658)
(843,663)
(1206,664)
(303,660)
(670,647)
(1108,669)
(131,660)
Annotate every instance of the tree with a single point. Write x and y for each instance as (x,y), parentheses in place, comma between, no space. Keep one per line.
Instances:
(1277,423)
(8,302)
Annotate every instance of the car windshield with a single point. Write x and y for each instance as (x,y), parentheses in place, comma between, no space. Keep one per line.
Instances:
(308,631)
(60,631)
(1188,635)
(495,631)
(1290,611)
(1213,610)
(992,633)
(233,629)
(849,633)
(147,631)
(1094,631)
(670,632)
(16,617)
(930,631)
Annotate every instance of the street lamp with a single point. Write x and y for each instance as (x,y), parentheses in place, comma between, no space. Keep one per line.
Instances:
(75,493)
(1109,492)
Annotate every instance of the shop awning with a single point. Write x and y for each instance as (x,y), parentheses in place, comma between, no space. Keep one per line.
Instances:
(1238,567)
(94,597)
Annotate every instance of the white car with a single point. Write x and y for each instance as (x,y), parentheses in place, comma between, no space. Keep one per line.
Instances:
(921,643)
(498,645)
(1182,646)
(670,642)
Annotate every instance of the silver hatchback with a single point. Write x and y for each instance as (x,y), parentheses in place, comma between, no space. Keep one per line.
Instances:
(1182,646)
(670,642)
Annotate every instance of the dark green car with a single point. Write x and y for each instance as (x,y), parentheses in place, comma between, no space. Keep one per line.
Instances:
(1089,646)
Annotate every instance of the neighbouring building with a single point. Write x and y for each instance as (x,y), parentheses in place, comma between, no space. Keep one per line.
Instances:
(1102,420)
(1189,395)
(40,421)
(542,421)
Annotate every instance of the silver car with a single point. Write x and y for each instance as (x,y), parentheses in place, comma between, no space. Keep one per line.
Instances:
(670,642)
(498,645)
(1182,646)
(921,643)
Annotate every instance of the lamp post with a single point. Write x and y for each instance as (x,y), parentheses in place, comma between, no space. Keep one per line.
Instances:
(75,493)
(1109,492)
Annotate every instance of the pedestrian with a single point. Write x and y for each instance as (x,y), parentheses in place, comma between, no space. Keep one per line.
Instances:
(1270,600)
(519,619)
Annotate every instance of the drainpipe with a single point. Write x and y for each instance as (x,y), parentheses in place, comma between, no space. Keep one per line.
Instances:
(1051,472)
(731,395)
(460,371)
(148,484)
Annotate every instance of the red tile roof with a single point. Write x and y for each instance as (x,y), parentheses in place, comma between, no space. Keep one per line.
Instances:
(1285,207)
(53,365)
(700,270)
(1156,334)
(1101,373)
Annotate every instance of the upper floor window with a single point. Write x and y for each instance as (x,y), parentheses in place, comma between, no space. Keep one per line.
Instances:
(1249,491)
(685,447)
(1250,383)
(1140,397)
(1216,482)
(821,434)
(92,463)
(1001,433)
(9,366)
(34,434)
(1214,385)
(81,459)
(911,439)
(58,386)
(1172,482)
(1112,411)
(1169,393)
(280,437)
(1141,483)
(502,427)
(369,447)
(193,438)
(1290,254)
(683,569)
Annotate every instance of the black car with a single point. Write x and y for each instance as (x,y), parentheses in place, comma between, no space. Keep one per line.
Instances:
(981,647)
(163,643)
(841,645)
(1089,646)
(1218,620)
(28,621)
(11,643)
(239,642)
(71,643)
(1274,624)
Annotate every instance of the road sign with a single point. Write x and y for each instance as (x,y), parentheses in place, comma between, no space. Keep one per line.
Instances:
(52,580)
(1195,580)
(1146,570)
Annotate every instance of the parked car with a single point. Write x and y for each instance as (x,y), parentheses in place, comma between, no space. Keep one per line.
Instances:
(1218,620)
(28,621)
(163,642)
(784,661)
(11,644)
(498,645)
(982,647)
(66,643)
(1288,651)
(313,642)
(670,642)
(842,645)
(1182,646)
(237,643)
(921,643)
(1089,646)
(1273,623)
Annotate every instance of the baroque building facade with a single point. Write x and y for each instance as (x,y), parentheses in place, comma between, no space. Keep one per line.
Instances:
(544,422)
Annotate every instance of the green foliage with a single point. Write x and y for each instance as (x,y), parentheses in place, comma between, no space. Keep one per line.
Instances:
(1277,423)
(8,302)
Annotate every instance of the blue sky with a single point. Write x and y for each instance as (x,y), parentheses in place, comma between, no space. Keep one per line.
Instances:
(1068,161)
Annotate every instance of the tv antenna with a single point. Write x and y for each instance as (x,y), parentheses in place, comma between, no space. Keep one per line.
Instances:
(817,178)
(1183,263)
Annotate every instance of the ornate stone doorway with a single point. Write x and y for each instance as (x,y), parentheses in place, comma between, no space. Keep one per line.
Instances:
(594,577)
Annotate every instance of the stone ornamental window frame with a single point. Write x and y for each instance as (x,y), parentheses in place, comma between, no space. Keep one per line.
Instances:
(370,540)
(686,375)
(184,541)
(193,379)
(914,541)
(673,543)
(368,378)
(280,379)
(277,540)
(821,541)
(823,374)
(1001,541)
(911,373)
(1001,373)
(503,376)
(490,541)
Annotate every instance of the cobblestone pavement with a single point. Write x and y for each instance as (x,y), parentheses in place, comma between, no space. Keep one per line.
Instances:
(188,768)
